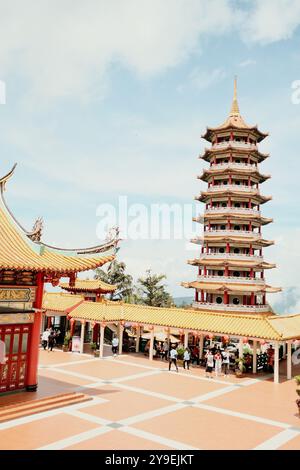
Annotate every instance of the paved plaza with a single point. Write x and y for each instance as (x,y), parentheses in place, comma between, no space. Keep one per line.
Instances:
(138,404)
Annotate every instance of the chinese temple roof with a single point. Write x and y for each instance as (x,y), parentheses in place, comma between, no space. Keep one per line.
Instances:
(234,121)
(60,301)
(23,250)
(89,285)
(267,327)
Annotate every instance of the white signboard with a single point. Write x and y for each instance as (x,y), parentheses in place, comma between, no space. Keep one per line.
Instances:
(76,344)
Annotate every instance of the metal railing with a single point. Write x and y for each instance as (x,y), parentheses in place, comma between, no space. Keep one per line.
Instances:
(238,256)
(230,279)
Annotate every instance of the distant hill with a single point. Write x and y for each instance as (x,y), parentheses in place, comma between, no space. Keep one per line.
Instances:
(182,301)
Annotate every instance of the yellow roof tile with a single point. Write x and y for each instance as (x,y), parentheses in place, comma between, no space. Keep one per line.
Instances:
(60,301)
(89,285)
(253,326)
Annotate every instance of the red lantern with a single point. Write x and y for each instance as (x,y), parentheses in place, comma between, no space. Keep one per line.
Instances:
(55,281)
(93,323)
(122,323)
(245,340)
(210,336)
(103,324)
(151,327)
(72,321)
(82,322)
(225,339)
(181,332)
(167,330)
(262,342)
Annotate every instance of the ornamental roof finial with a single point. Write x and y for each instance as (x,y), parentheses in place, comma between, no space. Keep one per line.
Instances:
(235,107)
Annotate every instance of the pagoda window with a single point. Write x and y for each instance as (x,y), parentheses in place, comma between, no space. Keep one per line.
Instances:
(221,250)
(236,250)
(236,273)
(223,227)
(237,227)
(225,161)
(224,183)
(224,204)
(238,161)
(219,300)
(237,204)
(237,183)
(236,301)
(220,273)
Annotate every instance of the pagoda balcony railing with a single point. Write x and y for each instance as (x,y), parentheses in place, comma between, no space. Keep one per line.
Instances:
(233,165)
(232,307)
(234,144)
(237,256)
(235,187)
(238,233)
(238,210)
(231,279)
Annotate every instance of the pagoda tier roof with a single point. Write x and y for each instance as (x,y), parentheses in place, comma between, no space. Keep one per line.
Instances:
(234,150)
(23,250)
(234,122)
(257,241)
(61,302)
(245,195)
(89,285)
(250,171)
(230,287)
(234,216)
(261,326)
(259,265)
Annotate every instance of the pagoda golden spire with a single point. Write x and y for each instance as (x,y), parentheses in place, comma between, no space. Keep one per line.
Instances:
(235,107)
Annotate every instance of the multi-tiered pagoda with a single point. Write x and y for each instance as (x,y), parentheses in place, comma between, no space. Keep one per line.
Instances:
(231,266)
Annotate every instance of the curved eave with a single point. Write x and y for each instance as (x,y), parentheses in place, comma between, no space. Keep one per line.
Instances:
(211,152)
(230,287)
(220,217)
(212,131)
(261,178)
(204,195)
(100,289)
(233,239)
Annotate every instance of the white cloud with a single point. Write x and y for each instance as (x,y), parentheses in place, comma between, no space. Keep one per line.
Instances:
(247,63)
(203,79)
(271,20)
(64,47)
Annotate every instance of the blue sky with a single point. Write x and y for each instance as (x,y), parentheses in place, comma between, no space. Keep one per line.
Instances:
(110,98)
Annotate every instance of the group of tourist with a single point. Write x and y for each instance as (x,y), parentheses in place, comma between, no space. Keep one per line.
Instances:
(49,338)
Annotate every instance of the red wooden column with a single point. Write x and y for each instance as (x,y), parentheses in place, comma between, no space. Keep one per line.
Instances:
(33,356)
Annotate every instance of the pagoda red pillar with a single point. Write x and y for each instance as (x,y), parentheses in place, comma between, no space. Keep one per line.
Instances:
(33,356)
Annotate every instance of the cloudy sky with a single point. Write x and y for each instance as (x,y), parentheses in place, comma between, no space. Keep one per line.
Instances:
(109,98)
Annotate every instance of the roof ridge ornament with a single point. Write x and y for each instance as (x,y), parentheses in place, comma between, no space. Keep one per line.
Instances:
(37,230)
(6,177)
(235,111)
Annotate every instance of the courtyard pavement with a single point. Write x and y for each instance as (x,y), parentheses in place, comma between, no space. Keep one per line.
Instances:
(138,404)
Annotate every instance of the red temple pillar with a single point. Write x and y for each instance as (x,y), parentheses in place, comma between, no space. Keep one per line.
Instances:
(95,333)
(252,298)
(202,296)
(33,356)
(226,297)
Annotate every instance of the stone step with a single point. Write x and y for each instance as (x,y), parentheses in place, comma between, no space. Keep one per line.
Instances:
(20,410)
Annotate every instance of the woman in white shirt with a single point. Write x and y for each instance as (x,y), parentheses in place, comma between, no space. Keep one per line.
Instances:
(209,363)
(186,359)
(173,358)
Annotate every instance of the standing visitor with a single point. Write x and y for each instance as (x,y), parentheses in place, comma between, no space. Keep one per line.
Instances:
(51,341)
(115,344)
(165,349)
(226,361)
(218,363)
(173,358)
(209,363)
(186,359)
(45,337)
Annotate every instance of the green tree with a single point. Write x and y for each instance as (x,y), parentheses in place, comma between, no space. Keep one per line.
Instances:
(115,274)
(150,291)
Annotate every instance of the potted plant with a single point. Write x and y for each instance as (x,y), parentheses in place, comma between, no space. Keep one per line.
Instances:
(240,368)
(180,352)
(93,347)
(67,340)
(297,378)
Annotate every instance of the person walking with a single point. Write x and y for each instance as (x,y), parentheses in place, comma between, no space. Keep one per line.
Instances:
(209,363)
(173,358)
(225,361)
(115,344)
(186,358)
(51,341)
(165,349)
(218,363)
(45,337)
